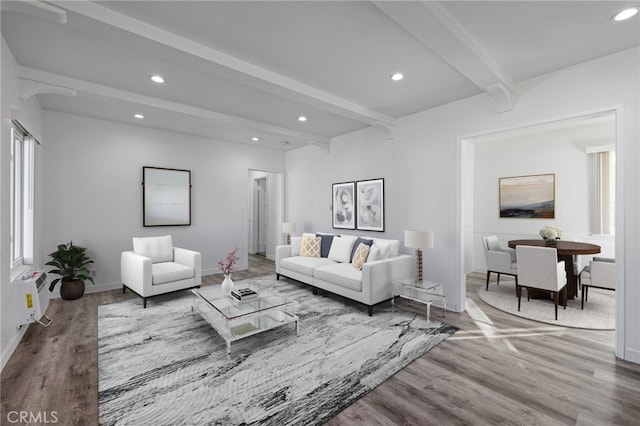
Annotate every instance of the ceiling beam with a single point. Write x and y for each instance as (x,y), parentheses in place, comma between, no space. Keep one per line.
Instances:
(84,87)
(438,30)
(36,8)
(263,78)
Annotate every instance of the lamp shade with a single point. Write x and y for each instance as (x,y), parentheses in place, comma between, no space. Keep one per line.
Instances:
(288,227)
(418,239)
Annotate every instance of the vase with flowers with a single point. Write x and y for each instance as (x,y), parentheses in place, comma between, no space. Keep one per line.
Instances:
(227,265)
(551,234)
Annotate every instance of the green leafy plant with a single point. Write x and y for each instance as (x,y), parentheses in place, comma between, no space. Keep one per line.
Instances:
(70,262)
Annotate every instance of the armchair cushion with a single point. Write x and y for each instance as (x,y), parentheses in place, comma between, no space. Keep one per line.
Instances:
(159,249)
(165,272)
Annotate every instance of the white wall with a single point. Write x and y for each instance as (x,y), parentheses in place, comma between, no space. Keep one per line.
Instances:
(561,151)
(93,191)
(424,177)
(29,114)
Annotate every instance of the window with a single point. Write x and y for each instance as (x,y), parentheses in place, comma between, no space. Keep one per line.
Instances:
(605,215)
(22,196)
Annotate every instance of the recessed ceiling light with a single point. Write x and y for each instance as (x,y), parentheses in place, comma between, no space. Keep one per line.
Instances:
(625,14)
(157,78)
(284,143)
(138,116)
(302,119)
(396,76)
(255,139)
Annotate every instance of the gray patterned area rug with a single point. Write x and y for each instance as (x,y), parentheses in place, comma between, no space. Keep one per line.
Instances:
(164,365)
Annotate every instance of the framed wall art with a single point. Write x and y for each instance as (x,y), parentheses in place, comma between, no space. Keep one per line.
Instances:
(344,208)
(370,205)
(166,197)
(528,196)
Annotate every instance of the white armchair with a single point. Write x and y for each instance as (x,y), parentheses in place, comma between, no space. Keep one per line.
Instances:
(538,268)
(156,267)
(499,260)
(600,273)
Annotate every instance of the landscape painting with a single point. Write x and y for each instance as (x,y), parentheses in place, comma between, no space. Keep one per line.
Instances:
(528,196)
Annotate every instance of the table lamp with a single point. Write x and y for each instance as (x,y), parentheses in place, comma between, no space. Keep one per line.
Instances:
(418,240)
(288,228)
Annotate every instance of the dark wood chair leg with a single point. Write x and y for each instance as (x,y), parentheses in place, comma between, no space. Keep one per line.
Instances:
(498,281)
(314,291)
(584,289)
(278,277)
(555,303)
(144,302)
(564,296)
(488,276)
(516,285)
(586,294)
(124,289)
(370,310)
(519,293)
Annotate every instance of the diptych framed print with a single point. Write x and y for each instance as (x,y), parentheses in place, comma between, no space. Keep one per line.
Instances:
(370,205)
(528,196)
(344,208)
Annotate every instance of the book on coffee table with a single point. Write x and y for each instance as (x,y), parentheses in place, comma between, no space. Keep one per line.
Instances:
(244,294)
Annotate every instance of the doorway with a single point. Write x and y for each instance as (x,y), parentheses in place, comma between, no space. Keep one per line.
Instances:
(265,206)
(573,150)
(260,221)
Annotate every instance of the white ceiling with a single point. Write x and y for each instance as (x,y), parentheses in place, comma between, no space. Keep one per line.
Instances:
(240,69)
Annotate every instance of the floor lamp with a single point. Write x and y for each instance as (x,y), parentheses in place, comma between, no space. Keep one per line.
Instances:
(288,228)
(418,240)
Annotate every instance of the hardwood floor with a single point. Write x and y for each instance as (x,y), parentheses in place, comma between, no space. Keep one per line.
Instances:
(498,369)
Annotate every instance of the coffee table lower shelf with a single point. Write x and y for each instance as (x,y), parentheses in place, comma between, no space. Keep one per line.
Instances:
(243,326)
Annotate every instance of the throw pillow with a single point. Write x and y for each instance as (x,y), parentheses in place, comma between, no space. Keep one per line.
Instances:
(310,247)
(384,248)
(357,243)
(295,246)
(325,244)
(341,248)
(374,254)
(360,256)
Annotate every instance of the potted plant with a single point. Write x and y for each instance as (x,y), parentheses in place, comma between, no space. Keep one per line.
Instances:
(70,262)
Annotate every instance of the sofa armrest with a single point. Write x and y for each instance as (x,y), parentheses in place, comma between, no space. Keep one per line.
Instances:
(378,275)
(282,252)
(189,258)
(135,272)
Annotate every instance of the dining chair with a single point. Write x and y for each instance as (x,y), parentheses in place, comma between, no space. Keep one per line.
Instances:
(599,273)
(501,260)
(538,268)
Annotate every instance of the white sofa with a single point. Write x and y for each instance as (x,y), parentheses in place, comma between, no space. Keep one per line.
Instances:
(156,267)
(336,274)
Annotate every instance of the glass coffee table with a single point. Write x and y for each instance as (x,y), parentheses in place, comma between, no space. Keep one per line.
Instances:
(235,320)
(425,292)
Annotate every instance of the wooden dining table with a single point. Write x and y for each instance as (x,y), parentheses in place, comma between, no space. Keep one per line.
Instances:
(566,251)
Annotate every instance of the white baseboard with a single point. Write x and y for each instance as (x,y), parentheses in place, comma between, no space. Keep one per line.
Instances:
(13,344)
(632,355)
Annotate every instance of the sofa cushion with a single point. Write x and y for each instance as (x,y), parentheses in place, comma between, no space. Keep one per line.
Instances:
(310,247)
(367,242)
(341,248)
(325,244)
(164,272)
(342,274)
(304,265)
(360,257)
(159,249)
